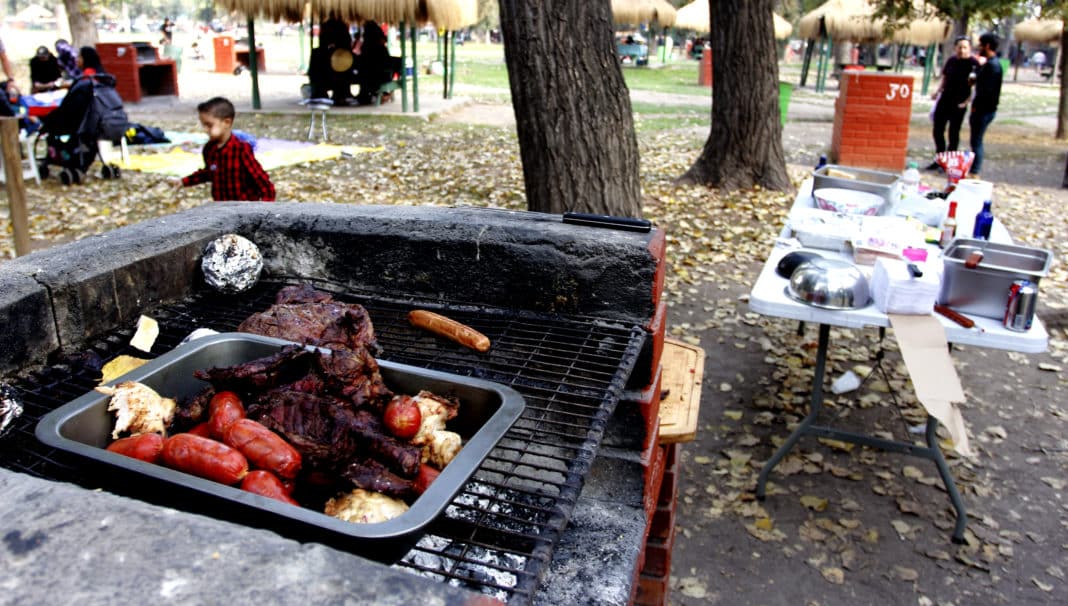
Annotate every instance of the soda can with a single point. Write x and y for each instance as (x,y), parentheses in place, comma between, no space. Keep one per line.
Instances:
(1020,308)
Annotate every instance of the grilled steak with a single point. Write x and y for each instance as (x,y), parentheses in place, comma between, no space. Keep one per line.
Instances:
(312,317)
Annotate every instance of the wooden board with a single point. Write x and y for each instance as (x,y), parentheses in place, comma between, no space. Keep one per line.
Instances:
(683,368)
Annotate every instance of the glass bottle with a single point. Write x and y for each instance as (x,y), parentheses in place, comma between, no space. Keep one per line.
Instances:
(949,226)
(983,222)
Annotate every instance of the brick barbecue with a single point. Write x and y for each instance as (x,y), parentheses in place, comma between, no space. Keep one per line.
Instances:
(606,527)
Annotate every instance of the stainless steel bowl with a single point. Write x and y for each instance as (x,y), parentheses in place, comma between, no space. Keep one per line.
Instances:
(829,284)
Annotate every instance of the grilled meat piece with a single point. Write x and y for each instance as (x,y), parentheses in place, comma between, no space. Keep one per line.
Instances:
(311,317)
(329,434)
(354,376)
(286,366)
(372,475)
(192,411)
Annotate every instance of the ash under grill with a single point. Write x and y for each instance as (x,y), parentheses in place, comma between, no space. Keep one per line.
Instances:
(497,535)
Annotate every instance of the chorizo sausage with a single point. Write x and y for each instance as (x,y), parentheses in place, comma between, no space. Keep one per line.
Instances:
(450,329)
(145,447)
(263,448)
(204,457)
(202,429)
(224,409)
(266,484)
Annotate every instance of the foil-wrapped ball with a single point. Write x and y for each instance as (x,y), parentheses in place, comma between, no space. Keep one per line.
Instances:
(231,264)
(10,408)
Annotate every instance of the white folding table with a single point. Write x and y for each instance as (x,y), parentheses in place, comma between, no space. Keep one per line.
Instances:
(768,297)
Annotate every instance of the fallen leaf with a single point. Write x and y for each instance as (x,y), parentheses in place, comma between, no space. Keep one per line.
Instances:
(1043,586)
(833,575)
(734,415)
(764,524)
(1049,367)
(837,444)
(1056,483)
(702,460)
(901,526)
(996,431)
(906,574)
(814,503)
(692,587)
(911,472)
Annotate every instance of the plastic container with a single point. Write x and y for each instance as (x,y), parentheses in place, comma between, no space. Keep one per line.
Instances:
(910,181)
(876,182)
(487,411)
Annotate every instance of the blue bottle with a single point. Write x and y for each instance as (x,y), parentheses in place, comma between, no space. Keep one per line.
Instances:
(983,221)
(822,162)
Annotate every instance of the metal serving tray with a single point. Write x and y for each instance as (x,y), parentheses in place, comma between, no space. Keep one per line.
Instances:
(872,181)
(984,290)
(487,410)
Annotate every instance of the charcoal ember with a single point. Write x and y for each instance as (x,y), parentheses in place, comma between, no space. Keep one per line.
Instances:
(231,264)
(310,317)
(289,364)
(10,408)
(374,476)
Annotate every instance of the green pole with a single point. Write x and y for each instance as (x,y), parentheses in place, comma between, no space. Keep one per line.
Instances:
(928,68)
(415,71)
(404,72)
(452,72)
(806,63)
(445,64)
(300,38)
(253,64)
(819,63)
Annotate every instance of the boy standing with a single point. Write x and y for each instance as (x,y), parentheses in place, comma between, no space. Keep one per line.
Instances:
(234,172)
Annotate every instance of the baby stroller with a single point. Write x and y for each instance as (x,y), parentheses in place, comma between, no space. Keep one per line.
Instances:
(91,112)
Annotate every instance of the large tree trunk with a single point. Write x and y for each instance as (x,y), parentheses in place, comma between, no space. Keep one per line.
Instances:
(745,146)
(960,28)
(82,26)
(1061,70)
(572,109)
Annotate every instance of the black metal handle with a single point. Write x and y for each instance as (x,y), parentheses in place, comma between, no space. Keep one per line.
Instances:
(609,222)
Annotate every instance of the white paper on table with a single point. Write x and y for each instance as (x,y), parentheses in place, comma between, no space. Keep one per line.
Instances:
(923,345)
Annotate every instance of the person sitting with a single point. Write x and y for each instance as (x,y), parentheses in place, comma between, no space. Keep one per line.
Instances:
(45,73)
(328,73)
(68,59)
(374,65)
(66,118)
(12,104)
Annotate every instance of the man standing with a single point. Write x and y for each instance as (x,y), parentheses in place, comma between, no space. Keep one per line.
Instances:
(987,94)
(952,95)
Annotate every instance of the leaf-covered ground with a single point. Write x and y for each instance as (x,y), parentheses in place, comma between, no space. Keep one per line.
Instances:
(840,525)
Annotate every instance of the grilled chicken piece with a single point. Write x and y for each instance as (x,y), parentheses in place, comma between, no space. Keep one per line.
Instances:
(364,507)
(442,448)
(138,408)
(435,411)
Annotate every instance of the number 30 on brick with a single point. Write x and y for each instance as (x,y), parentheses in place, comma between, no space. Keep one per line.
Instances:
(897,90)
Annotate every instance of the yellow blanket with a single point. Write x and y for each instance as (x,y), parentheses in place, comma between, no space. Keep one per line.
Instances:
(178,162)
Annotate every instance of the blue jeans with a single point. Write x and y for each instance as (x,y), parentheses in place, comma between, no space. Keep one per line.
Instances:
(978,124)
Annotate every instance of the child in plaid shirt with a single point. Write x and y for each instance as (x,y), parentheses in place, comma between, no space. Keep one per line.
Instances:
(229,165)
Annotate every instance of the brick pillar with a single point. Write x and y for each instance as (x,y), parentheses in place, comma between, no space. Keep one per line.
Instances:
(704,74)
(871,120)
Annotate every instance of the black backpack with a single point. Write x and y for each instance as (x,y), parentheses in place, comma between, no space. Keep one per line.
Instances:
(106,118)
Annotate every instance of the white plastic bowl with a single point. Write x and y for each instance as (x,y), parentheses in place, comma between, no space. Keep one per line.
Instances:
(848,201)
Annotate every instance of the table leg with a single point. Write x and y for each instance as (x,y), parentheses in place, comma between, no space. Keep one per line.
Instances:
(813,413)
(947,479)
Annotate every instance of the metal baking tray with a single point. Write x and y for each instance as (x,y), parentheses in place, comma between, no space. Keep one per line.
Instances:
(872,181)
(487,410)
(984,290)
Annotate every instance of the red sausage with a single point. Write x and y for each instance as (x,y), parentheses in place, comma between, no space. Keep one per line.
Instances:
(264,448)
(203,430)
(224,409)
(145,446)
(425,478)
(204,457)
(265,483)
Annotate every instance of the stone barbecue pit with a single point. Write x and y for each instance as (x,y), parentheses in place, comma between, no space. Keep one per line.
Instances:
(558,513)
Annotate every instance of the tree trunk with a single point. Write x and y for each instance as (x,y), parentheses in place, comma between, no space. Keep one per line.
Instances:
(572,108)
(960,28)
(745,146)
(82,26)
(1061,70)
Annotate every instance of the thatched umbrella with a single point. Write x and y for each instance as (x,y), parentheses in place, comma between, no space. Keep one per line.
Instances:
(694,16)
(451,15)
(923,32)
(841,20)
(627,11)
(643,11)
(783,28)
(1039,31)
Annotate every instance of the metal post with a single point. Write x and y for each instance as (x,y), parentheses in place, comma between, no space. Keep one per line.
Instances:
(806,62)
(300,42)
(253,64)
(415,71)
(452,71)
(404,72)
(445,64)
(16,189)
(929,67)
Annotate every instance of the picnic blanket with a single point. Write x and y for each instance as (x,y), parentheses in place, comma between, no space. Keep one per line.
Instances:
(272,153)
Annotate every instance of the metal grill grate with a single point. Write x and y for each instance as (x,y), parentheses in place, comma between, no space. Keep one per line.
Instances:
(498,534)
